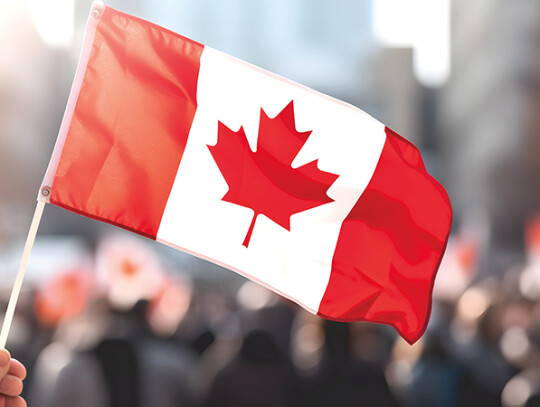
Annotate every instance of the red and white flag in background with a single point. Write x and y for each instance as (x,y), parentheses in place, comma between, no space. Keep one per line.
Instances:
(305,194)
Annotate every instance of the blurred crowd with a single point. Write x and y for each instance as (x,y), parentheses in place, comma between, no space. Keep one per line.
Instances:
(125,328)
(125,331)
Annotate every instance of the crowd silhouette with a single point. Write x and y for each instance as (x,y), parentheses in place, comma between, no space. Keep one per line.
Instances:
(126,333)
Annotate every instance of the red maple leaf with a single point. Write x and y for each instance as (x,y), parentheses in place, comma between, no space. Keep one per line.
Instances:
(264,180)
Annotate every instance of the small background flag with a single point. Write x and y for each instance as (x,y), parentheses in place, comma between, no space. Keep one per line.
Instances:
(305,194)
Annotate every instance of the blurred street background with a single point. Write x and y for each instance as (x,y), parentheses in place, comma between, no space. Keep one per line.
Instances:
(108,318)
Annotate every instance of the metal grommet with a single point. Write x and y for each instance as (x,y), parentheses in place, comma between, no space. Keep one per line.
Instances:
(95,13)
(45,191)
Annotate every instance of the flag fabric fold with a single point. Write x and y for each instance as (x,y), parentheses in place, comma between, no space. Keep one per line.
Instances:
(303,193)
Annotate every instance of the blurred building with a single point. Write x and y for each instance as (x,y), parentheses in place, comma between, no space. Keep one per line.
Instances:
(488,112)
(398,92)
(312,42)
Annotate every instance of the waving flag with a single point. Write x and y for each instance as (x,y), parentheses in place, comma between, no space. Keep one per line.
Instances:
(305,194)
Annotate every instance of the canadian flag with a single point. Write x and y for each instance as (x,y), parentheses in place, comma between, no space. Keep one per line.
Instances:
(305,194)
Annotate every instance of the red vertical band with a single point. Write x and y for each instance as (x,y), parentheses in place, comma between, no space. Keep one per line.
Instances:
(130,124)
(390,245)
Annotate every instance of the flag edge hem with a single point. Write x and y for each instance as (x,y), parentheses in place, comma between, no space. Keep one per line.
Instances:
(80,71)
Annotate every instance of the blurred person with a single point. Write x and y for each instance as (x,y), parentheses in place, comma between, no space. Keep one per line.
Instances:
(140,369)
(259,375)
(343,380)
(40,310)
(259,307)
(111,357)
(65,373)
(64,296)
(215,337)
(523,390)
(476,332)
(372,342)
(12,374)
(425,374)
(128,270)
(251,351)
(435,376)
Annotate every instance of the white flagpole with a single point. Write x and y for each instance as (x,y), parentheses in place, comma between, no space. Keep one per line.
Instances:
(16,290)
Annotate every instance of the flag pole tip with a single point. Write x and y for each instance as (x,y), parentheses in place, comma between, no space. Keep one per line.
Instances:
(97,8)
